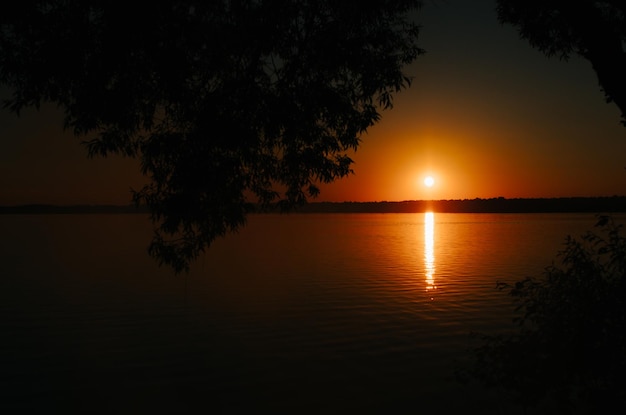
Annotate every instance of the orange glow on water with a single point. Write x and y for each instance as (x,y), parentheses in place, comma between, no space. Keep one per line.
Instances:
(429,250)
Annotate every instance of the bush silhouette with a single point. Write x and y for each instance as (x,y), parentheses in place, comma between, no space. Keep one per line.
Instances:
(568,353)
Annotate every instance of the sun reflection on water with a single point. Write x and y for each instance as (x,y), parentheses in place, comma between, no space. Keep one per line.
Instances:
(429,250)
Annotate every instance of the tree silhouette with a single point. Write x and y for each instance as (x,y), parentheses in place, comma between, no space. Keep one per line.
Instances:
(226,103)
(595,30)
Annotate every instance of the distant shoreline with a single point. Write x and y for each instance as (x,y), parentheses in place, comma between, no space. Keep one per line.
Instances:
(608,204)
(43,209)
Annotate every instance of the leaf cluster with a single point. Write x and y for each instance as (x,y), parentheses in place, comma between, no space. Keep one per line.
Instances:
(569,349)
(594,30)
(226,103)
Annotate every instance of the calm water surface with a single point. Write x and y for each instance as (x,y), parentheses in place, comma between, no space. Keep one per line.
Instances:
(298,314)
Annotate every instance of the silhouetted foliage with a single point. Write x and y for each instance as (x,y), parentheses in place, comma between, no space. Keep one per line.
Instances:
(569,354)
(225,102)
(595,30)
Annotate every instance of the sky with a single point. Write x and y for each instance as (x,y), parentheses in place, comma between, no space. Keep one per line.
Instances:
(486,116)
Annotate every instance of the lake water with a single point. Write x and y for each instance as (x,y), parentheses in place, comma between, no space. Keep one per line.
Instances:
(296,314)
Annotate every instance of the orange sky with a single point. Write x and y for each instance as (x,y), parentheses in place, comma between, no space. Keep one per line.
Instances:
(489,116)
(486,116)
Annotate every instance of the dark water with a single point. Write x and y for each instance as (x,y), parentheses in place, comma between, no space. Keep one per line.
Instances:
(299,314)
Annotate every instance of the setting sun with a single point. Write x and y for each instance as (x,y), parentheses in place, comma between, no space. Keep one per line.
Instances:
(429,181)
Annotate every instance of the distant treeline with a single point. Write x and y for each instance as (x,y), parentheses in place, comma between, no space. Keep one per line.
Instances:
(611,204)
(72,209)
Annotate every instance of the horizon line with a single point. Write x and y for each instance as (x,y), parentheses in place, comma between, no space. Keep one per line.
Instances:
(41,204)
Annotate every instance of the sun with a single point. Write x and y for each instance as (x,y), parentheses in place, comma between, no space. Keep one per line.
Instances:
(429,181)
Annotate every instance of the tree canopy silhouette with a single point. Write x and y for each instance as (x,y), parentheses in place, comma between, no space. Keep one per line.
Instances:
(594,30)
(226,103)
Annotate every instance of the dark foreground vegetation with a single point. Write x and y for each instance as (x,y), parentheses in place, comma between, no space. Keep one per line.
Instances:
(567,354)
